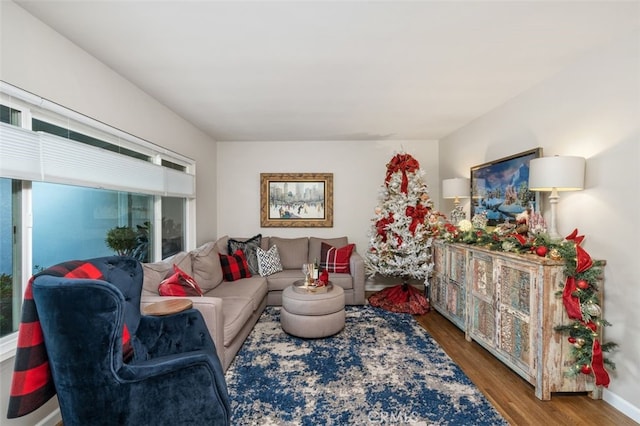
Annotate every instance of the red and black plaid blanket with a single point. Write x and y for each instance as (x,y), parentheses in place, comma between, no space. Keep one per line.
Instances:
(32,384)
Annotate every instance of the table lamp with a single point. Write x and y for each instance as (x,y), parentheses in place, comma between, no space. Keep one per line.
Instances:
(555,174)
(456,188)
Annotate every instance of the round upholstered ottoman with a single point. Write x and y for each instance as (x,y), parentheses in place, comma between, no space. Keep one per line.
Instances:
(312,315)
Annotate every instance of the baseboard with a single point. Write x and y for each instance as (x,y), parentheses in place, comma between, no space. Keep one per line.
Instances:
(53,419)
(624,406)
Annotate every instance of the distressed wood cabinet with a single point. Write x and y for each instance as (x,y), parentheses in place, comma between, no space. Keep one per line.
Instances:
(507,303)
(449,291)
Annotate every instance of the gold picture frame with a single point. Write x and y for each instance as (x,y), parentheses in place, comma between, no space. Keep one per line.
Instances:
(296,200)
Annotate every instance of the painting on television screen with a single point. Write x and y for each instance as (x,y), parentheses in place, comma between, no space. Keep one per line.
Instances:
(500,188)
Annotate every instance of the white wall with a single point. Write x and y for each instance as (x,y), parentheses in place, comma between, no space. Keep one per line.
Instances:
(37,59)
(358,167)
(591,109)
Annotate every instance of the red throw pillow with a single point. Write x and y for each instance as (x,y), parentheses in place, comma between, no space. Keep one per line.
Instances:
(335,260)
(179,284)
(234,266)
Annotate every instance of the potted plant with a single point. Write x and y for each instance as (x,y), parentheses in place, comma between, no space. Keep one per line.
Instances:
(122,240)
(6,304)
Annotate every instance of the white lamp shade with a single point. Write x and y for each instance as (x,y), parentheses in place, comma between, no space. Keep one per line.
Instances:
(455,188)
(559,173)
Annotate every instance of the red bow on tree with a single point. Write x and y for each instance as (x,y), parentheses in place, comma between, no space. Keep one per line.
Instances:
(381,226)
(417,214)
(402,163)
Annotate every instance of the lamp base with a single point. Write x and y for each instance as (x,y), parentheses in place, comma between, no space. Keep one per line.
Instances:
(554,235)
(457,214)
(555,238)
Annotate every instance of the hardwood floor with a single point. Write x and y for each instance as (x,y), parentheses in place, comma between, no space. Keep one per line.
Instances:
(508,392)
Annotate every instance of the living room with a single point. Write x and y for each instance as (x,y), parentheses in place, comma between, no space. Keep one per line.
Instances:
(588,108)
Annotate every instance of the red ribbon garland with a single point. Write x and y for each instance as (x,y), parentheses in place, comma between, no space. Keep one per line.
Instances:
(402,163)
(417,213)
(521,239)
(572,306)
(571,302)
(573,236)
(583,260)
(597,365)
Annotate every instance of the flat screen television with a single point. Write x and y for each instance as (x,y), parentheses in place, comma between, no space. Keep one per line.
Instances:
(500,188)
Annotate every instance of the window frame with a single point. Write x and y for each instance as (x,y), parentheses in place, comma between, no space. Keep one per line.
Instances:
(32,106)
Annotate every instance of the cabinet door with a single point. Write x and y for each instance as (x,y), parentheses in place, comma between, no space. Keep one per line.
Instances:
(482,299)
(455,285)
(437,292)
(439,257)
(516,297)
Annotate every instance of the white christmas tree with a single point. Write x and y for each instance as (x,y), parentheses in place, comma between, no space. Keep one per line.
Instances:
(404,224)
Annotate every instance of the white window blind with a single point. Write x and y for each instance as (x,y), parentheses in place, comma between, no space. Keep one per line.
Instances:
(19,153)
(177,183)
(48,158)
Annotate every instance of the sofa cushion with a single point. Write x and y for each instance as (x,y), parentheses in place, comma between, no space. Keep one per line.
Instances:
(155,272)
(249,247)
(281,280)
(342,280)
(293,251)
(315,246)
(234,266)
(236,312)
(254,288)
(268,261)
(335,259)
(222,243)
(206,266)
(264,245)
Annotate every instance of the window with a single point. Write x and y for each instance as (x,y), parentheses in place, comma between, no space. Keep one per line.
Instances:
(10,276)
(72,222)
(10,116)
(173,220)
(42,126)
(66,181)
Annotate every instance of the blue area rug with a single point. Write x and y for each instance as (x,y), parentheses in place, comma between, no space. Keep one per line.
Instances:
(383,368)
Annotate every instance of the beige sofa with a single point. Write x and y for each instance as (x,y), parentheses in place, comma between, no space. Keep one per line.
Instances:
(231,308)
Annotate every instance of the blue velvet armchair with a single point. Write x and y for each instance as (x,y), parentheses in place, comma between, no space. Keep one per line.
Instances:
(173,377)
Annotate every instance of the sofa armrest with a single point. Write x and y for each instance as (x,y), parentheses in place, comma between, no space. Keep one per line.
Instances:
(211,310)
(356,266)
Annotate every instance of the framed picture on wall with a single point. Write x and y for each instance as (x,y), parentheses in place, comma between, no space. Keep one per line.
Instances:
(500,188)
(296,200)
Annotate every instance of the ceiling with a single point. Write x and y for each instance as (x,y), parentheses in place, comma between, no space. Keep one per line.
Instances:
(336,70)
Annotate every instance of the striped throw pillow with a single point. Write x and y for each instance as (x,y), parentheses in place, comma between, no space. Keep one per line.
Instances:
(335,260)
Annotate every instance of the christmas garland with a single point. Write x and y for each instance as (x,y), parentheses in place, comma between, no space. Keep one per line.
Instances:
(579,293)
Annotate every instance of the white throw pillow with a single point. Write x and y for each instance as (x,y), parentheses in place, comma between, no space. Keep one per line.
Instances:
(268,261)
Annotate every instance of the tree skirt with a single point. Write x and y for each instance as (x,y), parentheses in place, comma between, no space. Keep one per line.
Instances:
(402,298)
